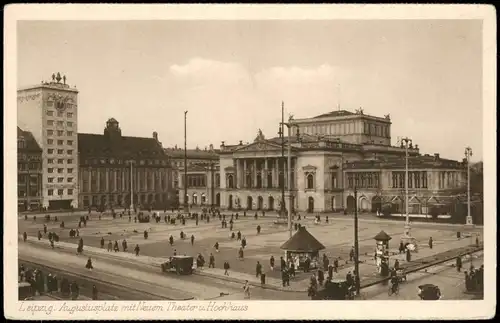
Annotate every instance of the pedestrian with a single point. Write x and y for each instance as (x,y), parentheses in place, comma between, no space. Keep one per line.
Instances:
(284,277)
(430,243)
(401,247)
(44,229)
(124,245)
(258,269)
(25,236)
(192,239)
(256,216)
(330,272)
(232,235)
(39,235)
(226,268)
(216,246)
(351,254)
(282,264)
(246,290)
(243,242)
(231,226)
(146,234)
(238,236)
(171,240)
(326,262)
(321,277)
(102,242)
(89,264)
(408,255)
(349,279)
(137,249)
(336,265)
(477,241)
(258,229)
(94,293)
(52,243)
(110,245)
(459,263)
(116,248)
(396,264)
(196,220)
(240,254)
(271,263)
(211,261)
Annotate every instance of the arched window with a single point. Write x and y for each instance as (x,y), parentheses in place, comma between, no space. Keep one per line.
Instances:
(310,181)
(230,181)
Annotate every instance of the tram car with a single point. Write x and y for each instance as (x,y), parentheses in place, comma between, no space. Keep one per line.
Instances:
(337,289)
(181,265)
(143,218)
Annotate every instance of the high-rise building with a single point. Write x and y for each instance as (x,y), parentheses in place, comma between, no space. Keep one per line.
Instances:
(49,111)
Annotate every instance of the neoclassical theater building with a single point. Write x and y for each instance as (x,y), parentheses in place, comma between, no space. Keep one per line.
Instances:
(331,154)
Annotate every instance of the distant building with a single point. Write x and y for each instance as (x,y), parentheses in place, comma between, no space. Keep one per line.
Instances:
(203,187)
(199,161)
(328,152)
(106,162)
(49,111)
(29,172)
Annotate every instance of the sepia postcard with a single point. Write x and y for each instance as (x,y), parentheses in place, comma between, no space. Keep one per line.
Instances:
(249,162)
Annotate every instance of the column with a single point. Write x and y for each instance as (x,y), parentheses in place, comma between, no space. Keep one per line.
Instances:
(276,173)
(98,180)
(107,179)
(264,174)
(244,173)
(90,181)
(237,177)
(254,175)
(285,175)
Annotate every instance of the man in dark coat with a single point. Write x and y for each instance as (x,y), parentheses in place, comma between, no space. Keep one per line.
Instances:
(258,269)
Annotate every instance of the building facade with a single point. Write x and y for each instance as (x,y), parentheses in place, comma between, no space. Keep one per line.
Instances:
(29,172)
(199,162)
(49,111)
(112,167)
(203,185)
(324,153)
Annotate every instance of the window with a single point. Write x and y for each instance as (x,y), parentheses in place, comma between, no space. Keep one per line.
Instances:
(60,161)
(69,115)
(60,191)
(50,192)
(334,180)
(50,180)
(60,179)
(310,181)
(70,142)
(59,114)
(60,142)
(50,151)
(50,132)
(70,124)
(50,122)
(416,176)
(69,133)
(50,161)
(70,151)
(50,141)
(70,179)
(70,161)
(50,170)
(350,180)
(424,179)
(60,132)
(70,170)
(70,191)
(60,151)
(60,123)
(60,170)
(50,113)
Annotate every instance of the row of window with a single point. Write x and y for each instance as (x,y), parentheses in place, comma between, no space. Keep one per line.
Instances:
(21,179)
(60,179)
(50,132)
(121,162)
(59,151)
(415,179)
(59,170)
(60,114)
(31,166)
(196,180)
(113,181)
(60,161)
(59,123)
(363,180)
(60,191)
(249,183)
(60,142)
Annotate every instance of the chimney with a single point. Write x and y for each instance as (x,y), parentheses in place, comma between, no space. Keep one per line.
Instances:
(155,135)
(436,156)
(241,142)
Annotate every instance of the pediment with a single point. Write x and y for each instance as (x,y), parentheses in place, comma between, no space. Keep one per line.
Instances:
(414,199)
(309,168)
(259,146)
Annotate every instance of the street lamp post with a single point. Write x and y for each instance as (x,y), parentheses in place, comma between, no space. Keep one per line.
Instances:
(468,154)
(282,135)
(290,125)
(185,163)
(407,144)
(356,246)
(131,186)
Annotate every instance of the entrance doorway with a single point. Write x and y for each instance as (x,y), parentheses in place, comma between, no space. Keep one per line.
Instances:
(260,204)
(270,204)
(249,203)
(310,205)
(351,203)
(230,202)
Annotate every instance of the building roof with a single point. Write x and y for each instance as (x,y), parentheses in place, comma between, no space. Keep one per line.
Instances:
(421,161)
(102,145)
(30,142)
(337,113)
(192,153)
(382,236)
(303,241)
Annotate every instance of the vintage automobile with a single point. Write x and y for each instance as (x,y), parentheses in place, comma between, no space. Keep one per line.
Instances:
(143,218)
(429,292)
(25,290)
(181,265)
(336,289)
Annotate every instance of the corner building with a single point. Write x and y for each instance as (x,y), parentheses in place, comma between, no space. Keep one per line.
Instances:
(107,162)
(29,172)
(49,111)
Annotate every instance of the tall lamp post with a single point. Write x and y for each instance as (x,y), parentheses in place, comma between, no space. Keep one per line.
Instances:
(290,125)
(468,154)
(131,186)
(407,145)
(185,163)
(356,246)
(281,134)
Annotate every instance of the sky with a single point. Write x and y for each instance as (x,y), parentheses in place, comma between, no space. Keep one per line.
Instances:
(233,75)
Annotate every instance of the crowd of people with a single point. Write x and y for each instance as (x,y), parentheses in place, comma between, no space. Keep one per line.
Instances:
(474,279)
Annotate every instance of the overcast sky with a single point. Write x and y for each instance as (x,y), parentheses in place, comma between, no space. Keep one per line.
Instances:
(233,75)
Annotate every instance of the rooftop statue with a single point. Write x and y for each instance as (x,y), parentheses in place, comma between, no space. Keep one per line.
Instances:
(260,136)
(387,116)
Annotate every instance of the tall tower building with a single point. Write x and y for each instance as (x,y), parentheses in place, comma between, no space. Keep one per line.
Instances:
(50,112)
